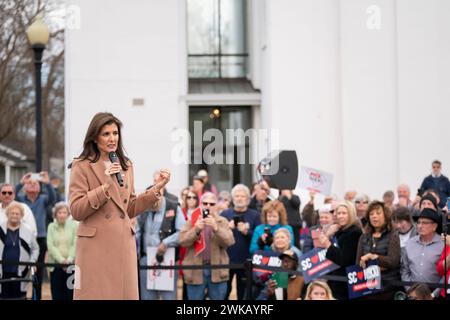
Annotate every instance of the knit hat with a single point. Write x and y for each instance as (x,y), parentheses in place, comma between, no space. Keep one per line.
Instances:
(431,198)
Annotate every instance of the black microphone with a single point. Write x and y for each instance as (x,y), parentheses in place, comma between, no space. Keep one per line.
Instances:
(113,158)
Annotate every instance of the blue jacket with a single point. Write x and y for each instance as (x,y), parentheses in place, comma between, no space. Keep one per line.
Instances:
(259,230)
(440,184)
(239,252)
(39,207)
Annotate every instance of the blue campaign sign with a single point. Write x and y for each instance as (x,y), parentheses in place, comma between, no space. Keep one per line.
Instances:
(362,282)
(314,264)
(264,259)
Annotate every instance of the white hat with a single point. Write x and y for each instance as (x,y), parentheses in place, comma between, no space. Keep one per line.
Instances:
(202,173)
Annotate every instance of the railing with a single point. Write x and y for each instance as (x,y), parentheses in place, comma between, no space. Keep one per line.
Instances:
(217,65)
(247,266)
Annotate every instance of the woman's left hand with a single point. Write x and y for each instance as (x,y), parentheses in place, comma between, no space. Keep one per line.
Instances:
(163,179)
(367,257)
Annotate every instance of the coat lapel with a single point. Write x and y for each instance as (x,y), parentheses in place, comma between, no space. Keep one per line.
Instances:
(99,171)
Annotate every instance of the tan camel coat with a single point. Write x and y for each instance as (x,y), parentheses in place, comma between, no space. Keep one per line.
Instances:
(106,257)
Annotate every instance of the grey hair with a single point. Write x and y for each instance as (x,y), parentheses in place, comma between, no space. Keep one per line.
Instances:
(58,206)
(240,187)
(207,195)
(15,204)
(362,196)
(7,185)
(283,230)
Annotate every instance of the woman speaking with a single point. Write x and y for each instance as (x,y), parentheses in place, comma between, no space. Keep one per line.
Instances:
(106,264)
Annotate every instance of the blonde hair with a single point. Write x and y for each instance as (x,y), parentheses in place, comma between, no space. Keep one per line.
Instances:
(15,204)
(274,205)
(59,206)
(352,217)
(287,233)
(321,284)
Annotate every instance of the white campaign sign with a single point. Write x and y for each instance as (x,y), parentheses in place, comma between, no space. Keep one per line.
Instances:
(313,179)
(159,279)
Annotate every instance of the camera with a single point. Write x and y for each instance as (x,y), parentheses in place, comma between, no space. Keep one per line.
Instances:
(237,219)
(159,258)
(205,213)
(420,192)
(269,238)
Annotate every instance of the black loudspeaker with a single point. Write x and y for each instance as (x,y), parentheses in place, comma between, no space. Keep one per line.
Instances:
(280,169)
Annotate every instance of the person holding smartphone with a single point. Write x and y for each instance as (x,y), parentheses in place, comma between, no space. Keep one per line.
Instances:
(206,238)
(38,202)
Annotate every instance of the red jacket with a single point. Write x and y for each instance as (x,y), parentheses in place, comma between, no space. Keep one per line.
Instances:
(441,271)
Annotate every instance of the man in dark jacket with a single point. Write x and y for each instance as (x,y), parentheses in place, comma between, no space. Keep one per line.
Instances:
(292,204)
(242,221)
(262,195)
(437,181)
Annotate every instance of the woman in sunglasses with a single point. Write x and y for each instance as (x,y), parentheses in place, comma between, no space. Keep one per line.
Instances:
(190,203)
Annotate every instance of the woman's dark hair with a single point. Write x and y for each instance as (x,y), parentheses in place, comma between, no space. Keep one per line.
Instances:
(90,149)
(402,213)
(374,205)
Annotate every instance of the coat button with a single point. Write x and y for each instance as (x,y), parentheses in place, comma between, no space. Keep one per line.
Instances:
(108,215)
(122,215)
(125,200)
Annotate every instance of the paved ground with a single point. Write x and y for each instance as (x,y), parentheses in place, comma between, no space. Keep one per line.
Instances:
(46,294)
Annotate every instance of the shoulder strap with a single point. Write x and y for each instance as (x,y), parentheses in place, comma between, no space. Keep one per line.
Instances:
(2,235)
(25,245)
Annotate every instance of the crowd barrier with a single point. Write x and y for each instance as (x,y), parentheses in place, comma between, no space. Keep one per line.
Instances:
(248,266)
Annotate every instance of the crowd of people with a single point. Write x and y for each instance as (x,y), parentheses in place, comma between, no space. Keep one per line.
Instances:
(35,226)
(407,237)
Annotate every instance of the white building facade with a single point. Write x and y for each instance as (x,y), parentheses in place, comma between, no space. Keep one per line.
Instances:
(359,88)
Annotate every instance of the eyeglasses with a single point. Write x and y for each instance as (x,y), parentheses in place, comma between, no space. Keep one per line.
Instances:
(10,193)
(210,204)
(425,222)
(191,197)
